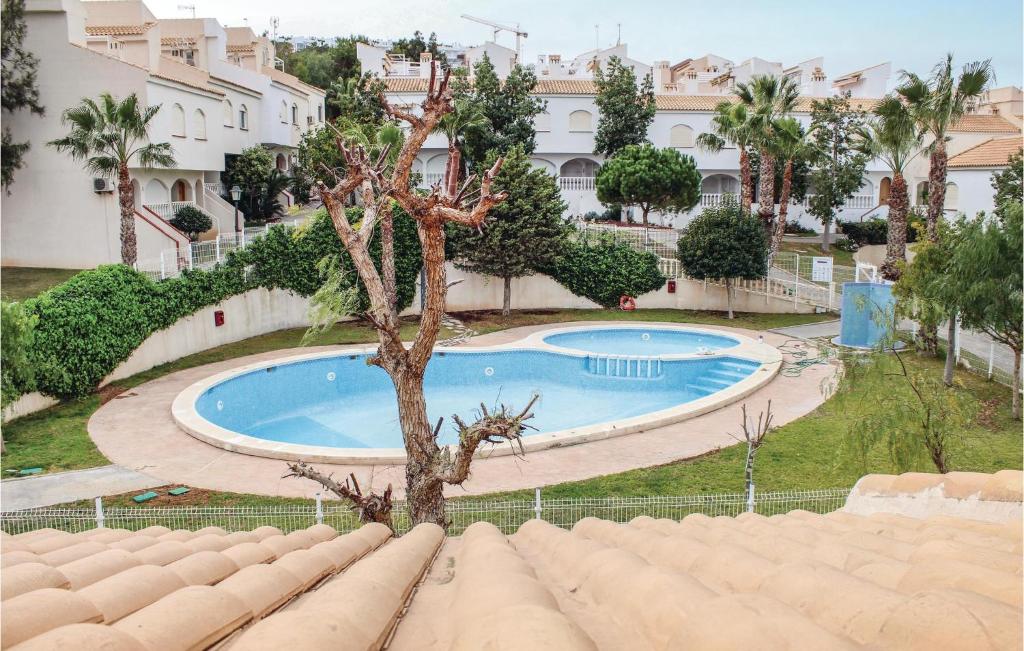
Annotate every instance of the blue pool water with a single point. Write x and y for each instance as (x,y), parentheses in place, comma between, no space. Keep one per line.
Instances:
(640,341)
(341,402)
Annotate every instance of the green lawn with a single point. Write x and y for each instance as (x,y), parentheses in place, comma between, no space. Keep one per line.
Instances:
(56,439)
(19,283)
(844,258)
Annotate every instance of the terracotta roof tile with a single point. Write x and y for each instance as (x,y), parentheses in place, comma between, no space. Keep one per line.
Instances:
(984,124)
(242,49)
(565,87)
(178,40)
(118,30)
(994,152)
(900,566)
(709,102)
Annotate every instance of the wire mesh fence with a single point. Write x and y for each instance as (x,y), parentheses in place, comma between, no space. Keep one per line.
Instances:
(507,515)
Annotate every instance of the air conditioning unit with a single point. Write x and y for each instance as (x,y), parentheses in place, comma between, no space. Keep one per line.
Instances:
(102,185)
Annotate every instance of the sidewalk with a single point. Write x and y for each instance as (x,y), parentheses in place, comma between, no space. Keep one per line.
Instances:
(60,487)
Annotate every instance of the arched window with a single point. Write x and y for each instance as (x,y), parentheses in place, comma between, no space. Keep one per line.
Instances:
(952,197)
(199,125)
(283,113)
(243,118)
(579,167)
(681,136)
(229,114)
(542,122)
(295,113)
(921,195)
(156,192)
(580,121)
(883,191)
(177,121)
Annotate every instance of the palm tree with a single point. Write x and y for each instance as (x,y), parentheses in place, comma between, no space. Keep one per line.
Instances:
(464,117)
(108,136)
(767,99)
(892,136)
(936,105)
(730,125)
(791,145)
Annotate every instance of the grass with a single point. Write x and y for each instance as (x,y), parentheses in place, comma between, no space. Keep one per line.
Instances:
(56,439)
(844,258)
(19,283)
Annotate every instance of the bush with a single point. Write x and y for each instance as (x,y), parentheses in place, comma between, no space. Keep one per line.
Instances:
(93,322)
(846,244)
(18,332)
(875,230)
(794,228)
(191,221)
(604,271)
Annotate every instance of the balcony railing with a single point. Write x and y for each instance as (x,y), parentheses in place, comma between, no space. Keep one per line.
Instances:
(168,210)
(855,202)
(576,183)
(217,188)
(709,200)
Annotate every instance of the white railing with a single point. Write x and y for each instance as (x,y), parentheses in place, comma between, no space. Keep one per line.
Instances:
(205,254)
(855,202)
(169,209)
(507,515)
(432,178)
(576,183)
(217,188)
(709,200)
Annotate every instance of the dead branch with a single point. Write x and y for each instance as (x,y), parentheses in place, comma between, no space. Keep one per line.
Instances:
(489,428)
(369,507)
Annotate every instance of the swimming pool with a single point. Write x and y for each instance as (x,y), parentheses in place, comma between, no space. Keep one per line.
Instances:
(335,407)
(644,340)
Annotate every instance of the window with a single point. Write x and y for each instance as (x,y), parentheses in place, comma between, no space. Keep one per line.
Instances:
(295,114)
(243,118)
(542,122)
(283,113)
(319,112)
(681,136)
(580,121)
(952,197)
(199,125)
(229,114)
(177,121)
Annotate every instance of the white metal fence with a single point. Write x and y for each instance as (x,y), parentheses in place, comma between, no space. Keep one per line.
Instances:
(207,253)
(507,515)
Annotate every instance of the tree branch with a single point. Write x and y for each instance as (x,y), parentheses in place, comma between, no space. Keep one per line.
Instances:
(369,507)
(490,428)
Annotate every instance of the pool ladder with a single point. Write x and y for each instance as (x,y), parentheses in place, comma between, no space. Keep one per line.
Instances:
(637,367)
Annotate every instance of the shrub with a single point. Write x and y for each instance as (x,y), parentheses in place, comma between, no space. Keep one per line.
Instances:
(605,271)
(191,221)
(794,228)
(16,338)
(875,230)
(94,321)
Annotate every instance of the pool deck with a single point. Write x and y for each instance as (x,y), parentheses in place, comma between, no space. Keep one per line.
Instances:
(137,431)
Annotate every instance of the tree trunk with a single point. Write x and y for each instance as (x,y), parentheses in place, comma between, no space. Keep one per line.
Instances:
(936,188)
(1015,401)
(947,373)
(766,190)
(451,170)
(896,238)
(424,490)
(645,209)
(748,469)
(126,199)
(746,182)
(825,240)
(728,295)
(506,304)
(787,187)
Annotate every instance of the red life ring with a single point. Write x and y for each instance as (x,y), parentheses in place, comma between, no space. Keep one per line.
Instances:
(626,303)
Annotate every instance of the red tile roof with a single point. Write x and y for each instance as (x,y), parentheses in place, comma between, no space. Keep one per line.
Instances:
(994,152)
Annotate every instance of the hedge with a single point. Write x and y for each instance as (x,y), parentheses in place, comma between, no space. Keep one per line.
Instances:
(94,321)
(876,230)
(604,271)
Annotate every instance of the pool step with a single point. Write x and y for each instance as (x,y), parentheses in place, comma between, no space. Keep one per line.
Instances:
(739,367)
(727,374)
(635,367)
(700,389)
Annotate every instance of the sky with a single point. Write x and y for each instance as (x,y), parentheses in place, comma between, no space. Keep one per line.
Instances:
(912,34)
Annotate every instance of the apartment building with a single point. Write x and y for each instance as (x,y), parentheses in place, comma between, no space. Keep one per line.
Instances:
(219,93)
(686,95)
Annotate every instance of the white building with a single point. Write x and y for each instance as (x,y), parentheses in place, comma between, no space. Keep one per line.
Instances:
(218,91)
(686,95)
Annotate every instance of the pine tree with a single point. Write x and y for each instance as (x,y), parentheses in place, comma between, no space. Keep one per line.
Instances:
(508,106)
(626,110)
(524,232)
(18,84)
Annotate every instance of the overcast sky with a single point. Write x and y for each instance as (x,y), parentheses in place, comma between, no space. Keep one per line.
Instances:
(912,34)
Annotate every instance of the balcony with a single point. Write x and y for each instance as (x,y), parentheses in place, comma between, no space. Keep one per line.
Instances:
(577,183)
(712,199)
(857,201)
(167,210)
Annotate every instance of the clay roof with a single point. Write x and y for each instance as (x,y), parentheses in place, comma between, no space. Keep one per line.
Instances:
(290,80)
(984,124)
(565,87)
(242,48)
(863,576)
(118,30)
(178,40)
(994,152)
(709,102)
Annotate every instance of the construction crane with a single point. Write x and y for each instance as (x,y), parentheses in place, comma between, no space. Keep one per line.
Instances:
(497,27)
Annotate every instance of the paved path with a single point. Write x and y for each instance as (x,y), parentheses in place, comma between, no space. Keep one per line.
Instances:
(60,487)
(137,431)
(811,330)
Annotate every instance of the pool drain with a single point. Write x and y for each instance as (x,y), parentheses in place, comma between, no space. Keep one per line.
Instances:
(331,376)
(488,371)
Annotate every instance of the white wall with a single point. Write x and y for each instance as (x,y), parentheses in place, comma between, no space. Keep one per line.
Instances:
(975,190)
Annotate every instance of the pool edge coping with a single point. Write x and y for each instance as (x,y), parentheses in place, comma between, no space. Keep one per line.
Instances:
(187,418)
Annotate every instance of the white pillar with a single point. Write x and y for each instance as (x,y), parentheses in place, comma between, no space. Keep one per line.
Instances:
(100,518)
(536,503)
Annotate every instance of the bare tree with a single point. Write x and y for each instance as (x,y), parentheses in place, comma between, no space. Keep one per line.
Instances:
(369,508)
(377,184)
(754,434)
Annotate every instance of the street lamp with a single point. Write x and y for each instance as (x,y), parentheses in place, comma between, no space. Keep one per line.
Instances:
(236,194)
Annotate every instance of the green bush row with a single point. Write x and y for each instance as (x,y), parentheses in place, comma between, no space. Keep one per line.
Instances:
(87,326)
(876,230)
(605,271)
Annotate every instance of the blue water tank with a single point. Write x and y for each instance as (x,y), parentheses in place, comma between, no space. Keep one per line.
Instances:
(867,314)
